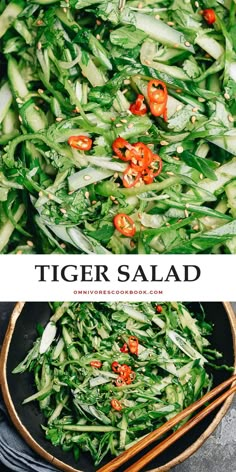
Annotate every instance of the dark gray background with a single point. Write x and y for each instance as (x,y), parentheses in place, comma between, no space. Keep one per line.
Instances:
(218,453)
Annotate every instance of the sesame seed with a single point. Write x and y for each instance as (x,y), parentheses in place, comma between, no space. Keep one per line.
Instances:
(170,173)
(36,108)
(39,22)
(196,4)
(19,252)
(176,158)
(130,125)
(98,22)
(201,100)
(62,210)
(20,119)
(127,81)
(86,194)
(116,202)
(116,175)
(167,224)
(230,118)
(140,5)
(59,118)
(187,205)
(196,228)
(179,149)
(170,23)
(227,96)
(112,198)
(123,120)
(178,91)
(18,100)
(195,109)
(164,143)
(71,192)
(179,107)
(87,177)
(112,118)
(63,246)
(39,45)
(98,36)
(132,244)
(118,125)
(147,62)
(40,193)
(94,202)
(40,91)
(186,213)
(157,17)
(30,243)
(176,45)
(201,176)
(65,10)
(124,91)
(193,119)
(187,44)
(50,196)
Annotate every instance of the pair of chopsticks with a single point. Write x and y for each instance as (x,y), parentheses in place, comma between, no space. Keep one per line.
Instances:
(154,435)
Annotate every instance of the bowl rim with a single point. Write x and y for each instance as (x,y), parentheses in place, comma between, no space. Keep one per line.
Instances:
(62,465)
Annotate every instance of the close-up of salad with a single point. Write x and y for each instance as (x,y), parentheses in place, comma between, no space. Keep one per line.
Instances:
(106,374)
(117,127)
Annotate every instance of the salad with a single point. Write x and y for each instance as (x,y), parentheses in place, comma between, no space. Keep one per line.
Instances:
(106,374)
(117,126)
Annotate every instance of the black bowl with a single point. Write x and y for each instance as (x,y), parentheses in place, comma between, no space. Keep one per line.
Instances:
(28,418)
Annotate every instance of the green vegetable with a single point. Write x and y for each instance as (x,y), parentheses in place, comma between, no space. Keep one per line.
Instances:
(172,369)
(75,69)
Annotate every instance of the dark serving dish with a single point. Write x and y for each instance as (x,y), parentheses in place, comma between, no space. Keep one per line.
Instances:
(28,419)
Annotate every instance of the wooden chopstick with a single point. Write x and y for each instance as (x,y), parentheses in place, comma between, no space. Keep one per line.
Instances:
(156,434)
(179,433)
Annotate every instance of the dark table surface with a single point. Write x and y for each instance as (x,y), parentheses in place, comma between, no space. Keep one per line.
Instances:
(217,454)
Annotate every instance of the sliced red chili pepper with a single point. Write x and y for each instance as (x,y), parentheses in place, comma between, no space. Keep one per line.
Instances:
(130,378)
(130,177)
(157,91)
(148,177)
(125,371)
(133,344)
(209,16)
(120,382)
(115,366)
(120,146)
(116,404)
(157,94)
(83,143)
(141,158)
(96,364)
(158,109)
(159,308)
(138,107)
(124,224)
(124,348)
